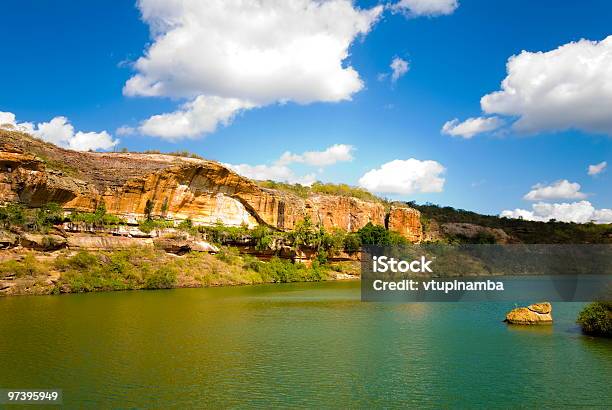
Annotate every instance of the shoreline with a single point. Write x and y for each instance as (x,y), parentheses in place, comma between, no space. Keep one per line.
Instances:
(46,273)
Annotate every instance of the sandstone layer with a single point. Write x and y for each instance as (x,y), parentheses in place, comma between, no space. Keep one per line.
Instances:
(34,173)
(536,314)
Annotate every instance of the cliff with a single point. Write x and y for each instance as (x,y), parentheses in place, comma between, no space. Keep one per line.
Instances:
(34,173)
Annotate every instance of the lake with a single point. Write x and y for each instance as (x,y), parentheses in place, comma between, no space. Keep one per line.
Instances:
(306,345)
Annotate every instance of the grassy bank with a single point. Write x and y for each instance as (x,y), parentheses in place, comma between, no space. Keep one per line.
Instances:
(142,268)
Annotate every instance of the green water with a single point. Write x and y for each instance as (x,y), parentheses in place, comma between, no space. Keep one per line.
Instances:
(309,345)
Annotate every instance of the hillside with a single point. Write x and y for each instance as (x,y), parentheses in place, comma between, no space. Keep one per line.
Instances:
(138,185)
(435,216)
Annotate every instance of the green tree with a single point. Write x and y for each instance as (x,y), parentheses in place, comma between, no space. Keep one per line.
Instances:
(372,234)
(48,215)
(148,210)
(596,319)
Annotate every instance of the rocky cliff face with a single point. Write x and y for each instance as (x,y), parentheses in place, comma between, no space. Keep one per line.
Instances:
(34,173)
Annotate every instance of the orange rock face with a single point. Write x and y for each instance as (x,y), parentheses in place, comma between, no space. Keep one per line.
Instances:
(35,173)
(406,221)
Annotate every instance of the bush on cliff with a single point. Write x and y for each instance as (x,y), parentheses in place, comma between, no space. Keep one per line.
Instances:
(12,215)
(47,216)
(377,235)
(38,220)
(163,278)
(321,188)
(596,319)
(27,266)
(99,219)
(352,242)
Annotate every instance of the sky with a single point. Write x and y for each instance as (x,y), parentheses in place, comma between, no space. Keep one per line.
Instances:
(498,107)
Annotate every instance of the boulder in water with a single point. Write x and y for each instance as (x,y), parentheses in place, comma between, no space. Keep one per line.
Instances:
(536,314)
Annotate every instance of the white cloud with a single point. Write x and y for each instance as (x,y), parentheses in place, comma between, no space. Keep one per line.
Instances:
(597,169)
(194,118)
(405,177)
(565,88)
(426,7)
(257,52)
(60,132)
(470,127)
(562,189)
(280,173)
(7,119)
(333,154)
(399,67)
(579,212)
(125,130)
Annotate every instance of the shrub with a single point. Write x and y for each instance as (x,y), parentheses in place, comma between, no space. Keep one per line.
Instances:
(163,278)
(377,235)
(321,188)
(147,225)
(98,219)
(186,225)
(305,234)
(352,242)
(263,236)
(83,260)
(596,319)
(28,266)
(148,209)
(12,215)
(47,216)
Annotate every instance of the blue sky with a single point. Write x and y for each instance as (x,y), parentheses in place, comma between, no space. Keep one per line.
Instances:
(73,59)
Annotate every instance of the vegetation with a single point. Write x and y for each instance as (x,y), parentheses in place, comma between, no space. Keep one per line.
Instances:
(28,266)
(16,216)
(377,235)
(184,153)
(146,268)
(321,188)
(98,219)
(526,231)
(596,319)
(305,236)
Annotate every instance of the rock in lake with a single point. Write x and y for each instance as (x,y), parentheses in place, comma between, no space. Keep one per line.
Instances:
(536,314)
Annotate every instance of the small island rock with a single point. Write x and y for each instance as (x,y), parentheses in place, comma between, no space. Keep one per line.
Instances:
(538,313)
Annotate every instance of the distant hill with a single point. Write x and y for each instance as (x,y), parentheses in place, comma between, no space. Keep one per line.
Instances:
(525,231)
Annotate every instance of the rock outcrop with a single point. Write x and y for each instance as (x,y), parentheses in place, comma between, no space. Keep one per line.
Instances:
(406,221)
(536,314)
(34,173)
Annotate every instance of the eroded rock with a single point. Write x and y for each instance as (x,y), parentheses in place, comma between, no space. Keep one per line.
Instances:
(406,221)
(42,242)
(206,192)
(538,313)
(7,240)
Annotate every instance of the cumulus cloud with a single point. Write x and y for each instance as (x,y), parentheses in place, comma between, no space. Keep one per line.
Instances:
(470,127)
(60,132)
(333,154)
(399,67)
(194,118)
(565,88)
(597,169)
(562,189)
(426,7)
(405,177)
(245,54)
(280,173)
(125,130)
(579,212)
